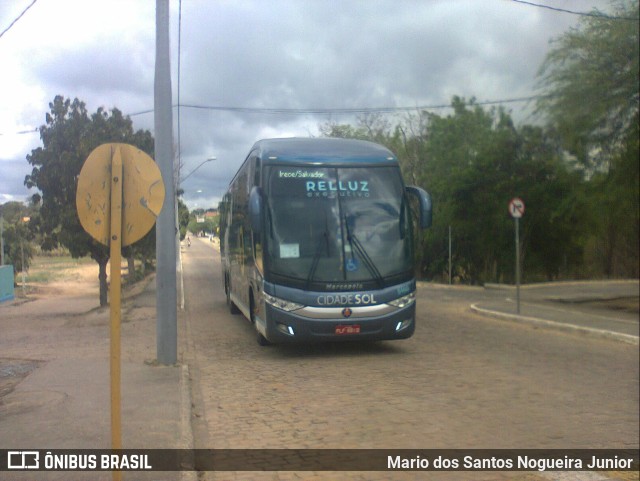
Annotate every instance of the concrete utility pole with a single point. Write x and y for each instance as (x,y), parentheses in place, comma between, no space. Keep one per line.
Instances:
(450,276)
(166,293)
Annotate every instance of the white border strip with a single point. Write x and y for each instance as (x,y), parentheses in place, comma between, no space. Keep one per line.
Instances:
(628,338)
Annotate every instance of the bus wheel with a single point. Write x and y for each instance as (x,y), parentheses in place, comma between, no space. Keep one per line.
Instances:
(262,341)
(227,289)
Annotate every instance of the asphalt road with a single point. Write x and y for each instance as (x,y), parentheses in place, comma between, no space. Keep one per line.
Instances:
(462,381)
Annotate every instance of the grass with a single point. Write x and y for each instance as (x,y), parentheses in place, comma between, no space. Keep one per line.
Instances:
(46,269)
(49,268)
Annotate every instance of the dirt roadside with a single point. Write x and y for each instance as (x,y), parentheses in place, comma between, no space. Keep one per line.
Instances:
(60,317)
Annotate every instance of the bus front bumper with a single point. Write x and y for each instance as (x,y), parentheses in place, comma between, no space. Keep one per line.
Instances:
(282,326)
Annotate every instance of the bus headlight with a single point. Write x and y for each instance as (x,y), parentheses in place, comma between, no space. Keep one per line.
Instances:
(281,303)
(404,301)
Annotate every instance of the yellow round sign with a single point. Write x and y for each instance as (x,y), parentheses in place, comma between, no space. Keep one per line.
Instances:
(142,193)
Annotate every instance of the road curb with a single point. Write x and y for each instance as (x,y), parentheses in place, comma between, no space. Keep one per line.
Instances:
(186,431)
(616,336)
(536,285)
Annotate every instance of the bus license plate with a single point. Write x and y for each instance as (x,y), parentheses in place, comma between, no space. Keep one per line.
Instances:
(348,329)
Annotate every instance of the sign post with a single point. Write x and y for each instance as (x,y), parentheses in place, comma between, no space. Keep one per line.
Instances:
(120,193)
(516,209)
(115,258)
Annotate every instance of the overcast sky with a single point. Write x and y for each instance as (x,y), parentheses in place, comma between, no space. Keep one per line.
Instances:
(259,54)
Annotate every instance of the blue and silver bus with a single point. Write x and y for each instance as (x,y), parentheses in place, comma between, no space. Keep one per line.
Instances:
(317,241)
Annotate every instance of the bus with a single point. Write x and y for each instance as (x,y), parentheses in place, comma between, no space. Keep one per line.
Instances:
(317,241)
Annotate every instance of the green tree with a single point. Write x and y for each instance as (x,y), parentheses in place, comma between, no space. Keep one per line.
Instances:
(591,81)
(473,162)
(68,137)
(467,167)
(17,235)
(183,216)
(208,226)
(476,161)
(371,127)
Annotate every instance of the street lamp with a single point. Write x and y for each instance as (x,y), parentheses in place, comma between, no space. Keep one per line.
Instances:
(189,174)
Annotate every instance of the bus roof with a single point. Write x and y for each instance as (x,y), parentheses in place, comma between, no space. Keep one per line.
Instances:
(326,150)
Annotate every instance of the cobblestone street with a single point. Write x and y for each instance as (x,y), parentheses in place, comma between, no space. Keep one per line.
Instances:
(462,381)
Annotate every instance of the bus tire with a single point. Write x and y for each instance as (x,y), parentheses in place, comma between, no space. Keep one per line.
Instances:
(262,341)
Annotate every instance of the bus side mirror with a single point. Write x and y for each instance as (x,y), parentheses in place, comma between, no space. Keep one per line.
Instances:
(424,201)
(255,209)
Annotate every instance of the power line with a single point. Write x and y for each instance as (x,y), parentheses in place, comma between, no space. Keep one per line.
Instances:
(337,111)
(324,111)
(573,12)
(18,18)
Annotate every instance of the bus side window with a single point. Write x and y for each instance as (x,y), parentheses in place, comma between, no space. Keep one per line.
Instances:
(257,241)
(256,173)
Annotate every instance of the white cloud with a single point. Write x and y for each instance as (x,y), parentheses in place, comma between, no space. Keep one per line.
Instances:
(252,53)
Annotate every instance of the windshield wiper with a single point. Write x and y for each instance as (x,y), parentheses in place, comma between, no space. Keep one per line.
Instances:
(368,262)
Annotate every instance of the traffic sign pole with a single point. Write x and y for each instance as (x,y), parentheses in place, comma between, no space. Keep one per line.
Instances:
(516,209)
(115,256)
(517,219)
(120,193)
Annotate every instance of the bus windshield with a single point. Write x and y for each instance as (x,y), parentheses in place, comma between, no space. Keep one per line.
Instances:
(337,226)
